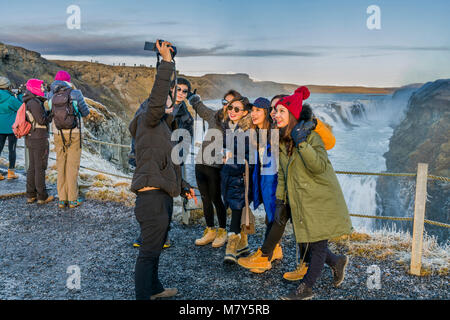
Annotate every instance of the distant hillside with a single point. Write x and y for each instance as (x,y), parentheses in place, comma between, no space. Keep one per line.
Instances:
(123,88)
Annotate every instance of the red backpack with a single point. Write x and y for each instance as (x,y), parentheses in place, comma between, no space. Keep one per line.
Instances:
(21,126)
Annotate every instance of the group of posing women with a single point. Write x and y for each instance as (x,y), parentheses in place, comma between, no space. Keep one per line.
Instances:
(304,188)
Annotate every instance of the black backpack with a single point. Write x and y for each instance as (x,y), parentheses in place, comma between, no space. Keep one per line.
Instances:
(65,116)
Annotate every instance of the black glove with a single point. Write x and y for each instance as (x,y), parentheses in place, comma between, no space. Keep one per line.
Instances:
(279,212)
(185,189)
(191,93)
(301,131)
(194,98)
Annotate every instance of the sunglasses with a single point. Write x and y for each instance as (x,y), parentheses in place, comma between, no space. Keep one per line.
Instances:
(236,109)
(225,102)
(183,91)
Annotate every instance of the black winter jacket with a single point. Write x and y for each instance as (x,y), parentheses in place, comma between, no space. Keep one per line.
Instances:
(152,135)
(35,105)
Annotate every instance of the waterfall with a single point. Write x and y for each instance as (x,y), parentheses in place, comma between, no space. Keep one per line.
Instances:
(362,125)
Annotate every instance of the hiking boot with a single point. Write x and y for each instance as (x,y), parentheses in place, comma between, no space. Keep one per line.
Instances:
(167,244)
(257,262)
(62,204)
(2,177)
(167,293)
(245,260)
(49,199)
(76,203)
(242,247)
(31,200)
(12,174)
(301,293)
(277,253)
(137,243)
(339,270)
(208,236)
(221,238)
(297,274)
(231,251)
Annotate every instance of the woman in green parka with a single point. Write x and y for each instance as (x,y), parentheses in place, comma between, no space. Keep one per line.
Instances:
(308,185)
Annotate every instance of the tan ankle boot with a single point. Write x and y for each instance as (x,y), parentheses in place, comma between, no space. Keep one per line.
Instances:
(297,274)
(2,177)
(12,174)
(208,236)
(221,238)
(231,250)
(242,247)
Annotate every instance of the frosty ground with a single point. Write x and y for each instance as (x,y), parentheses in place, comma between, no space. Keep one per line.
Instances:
(39,243)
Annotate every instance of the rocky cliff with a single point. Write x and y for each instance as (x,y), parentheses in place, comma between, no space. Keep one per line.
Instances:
(123,88)
(423,136)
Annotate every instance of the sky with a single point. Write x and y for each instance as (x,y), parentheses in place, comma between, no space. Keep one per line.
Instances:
(323,42)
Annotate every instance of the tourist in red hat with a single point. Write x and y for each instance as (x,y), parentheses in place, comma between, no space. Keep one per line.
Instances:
(308,188)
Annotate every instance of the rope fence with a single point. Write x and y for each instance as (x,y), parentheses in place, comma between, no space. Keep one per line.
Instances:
(418,220)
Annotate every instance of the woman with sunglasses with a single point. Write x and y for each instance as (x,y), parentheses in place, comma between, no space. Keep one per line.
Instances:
(264,182)
(308,185)
(238,121)
(260,261)
(207,171)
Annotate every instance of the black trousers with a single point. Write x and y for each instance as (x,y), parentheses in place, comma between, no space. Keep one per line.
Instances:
(12,143)
(38,155)
(320,254)
(208,182)
(274,233)
(153,212)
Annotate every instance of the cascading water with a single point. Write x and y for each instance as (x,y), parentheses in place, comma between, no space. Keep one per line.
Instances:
(362,125)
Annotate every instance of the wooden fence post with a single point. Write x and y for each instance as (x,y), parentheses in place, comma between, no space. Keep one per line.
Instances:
(419,216)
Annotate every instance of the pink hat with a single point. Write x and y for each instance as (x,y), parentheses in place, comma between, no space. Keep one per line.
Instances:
(34,86)
(62,76)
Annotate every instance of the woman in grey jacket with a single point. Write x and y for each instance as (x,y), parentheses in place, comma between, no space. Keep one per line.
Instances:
(207,170)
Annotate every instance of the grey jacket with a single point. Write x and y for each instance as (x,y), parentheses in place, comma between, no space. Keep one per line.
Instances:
(214,118)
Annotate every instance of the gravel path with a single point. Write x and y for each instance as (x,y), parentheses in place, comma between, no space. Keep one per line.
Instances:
(39,243)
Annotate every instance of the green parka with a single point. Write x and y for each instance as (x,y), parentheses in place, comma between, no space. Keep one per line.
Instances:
(307,179)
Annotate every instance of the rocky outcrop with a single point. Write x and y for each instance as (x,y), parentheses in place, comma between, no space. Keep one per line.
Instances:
(423,136)
(123,88)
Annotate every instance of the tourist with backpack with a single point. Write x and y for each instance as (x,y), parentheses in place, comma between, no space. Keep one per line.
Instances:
(67,106)
(9,105)
(36,141)
(308,185)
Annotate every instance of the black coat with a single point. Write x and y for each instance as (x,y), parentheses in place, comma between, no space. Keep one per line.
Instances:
(35,105)
(149,129)
(232,173)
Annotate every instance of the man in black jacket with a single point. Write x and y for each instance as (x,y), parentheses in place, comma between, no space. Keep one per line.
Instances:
(156,180)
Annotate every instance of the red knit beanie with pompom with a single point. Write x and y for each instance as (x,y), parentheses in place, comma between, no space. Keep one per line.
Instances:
(294,102)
